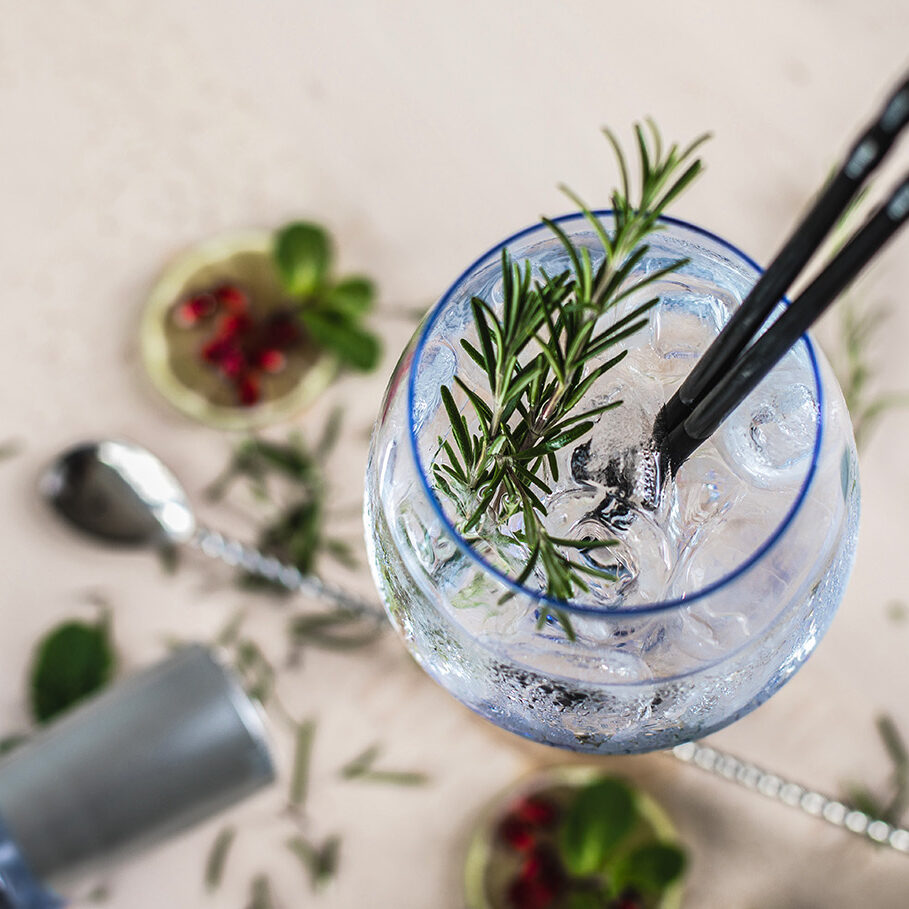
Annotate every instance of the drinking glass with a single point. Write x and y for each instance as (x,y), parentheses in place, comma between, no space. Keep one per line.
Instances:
(768,512)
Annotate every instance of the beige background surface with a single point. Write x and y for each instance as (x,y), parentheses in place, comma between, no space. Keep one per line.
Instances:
(420,133)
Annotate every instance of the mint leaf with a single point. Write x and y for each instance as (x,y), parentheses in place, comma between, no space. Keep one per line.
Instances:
(351,297)
(302,254)
(600,817)
(651,867)
(72,661)
(355,346)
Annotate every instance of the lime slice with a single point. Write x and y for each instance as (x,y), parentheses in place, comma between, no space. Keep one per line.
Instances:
(170,351)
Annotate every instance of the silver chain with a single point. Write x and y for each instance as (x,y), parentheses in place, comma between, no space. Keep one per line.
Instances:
(233,552)
(724,765)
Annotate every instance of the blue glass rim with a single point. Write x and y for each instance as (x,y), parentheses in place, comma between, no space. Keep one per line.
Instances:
(541,598)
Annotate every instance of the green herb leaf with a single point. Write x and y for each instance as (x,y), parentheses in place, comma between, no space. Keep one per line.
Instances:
(299,779)
(336,630)
(302,254)
(71,662)
(896,750)
(10,742)
(217,857)
(556,441)
(231,631)
(651,867)
(565,622)
(260,896)
(341,551)
(354,346)
(296,534)
(863,799)
(168,557)
(599,818)
(100,893)
(254,669)
(9,449)
(361,768)
(321,862)
(351,297)
(331,432)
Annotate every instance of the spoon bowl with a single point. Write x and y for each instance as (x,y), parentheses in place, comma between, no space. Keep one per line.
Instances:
(120,492)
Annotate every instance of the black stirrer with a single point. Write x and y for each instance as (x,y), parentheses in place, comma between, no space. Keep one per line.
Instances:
(866,154)
(770,347)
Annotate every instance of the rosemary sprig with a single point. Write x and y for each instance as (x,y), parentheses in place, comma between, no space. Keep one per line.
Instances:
(540,356)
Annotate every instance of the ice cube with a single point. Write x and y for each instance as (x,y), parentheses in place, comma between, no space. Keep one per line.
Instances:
(783,432)
(640,560)
(725,541)
(705,488)
(708,637)
(769,438)
(679,337)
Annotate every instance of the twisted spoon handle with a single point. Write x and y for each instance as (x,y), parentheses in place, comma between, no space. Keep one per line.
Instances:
(724,765)
(235,553)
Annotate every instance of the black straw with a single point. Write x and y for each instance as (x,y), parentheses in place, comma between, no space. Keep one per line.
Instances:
(770,347)
(866,154)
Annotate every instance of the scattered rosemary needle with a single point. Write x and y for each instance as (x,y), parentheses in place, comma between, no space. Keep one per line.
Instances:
(321,862)
(540,355)
(891,807)
(254,669)
(334,630)
(299,779)
(217,857)
(860,324)
(231,631)
(361,768)
(288,479)
(9,449)
(260,896)
(100,893)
